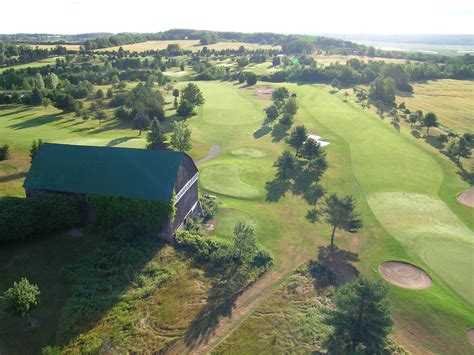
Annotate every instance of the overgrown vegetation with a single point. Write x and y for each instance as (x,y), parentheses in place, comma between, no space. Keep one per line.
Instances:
(113,211)
(22,218)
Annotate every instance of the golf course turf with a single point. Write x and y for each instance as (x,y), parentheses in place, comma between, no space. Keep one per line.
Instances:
(405,192)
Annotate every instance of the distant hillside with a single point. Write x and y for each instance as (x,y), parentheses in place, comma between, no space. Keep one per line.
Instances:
(51,38)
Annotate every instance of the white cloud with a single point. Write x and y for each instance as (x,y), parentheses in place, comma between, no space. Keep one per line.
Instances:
(296,16)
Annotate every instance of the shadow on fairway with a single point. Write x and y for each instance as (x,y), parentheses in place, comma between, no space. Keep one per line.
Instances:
(279,132)
(262,131)
(120,140)
(35,122)
(340,261)
(220,302)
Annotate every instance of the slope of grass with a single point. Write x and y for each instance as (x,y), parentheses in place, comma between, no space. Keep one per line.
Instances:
(451,100)
(39,63)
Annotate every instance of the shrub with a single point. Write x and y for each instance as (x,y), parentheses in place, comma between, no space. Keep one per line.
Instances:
(21,298)
(209,207)
(202,248)
(21,218)
(4,152)
(113,211)
(323,274)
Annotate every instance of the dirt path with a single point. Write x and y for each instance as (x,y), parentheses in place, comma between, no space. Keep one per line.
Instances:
(212,154)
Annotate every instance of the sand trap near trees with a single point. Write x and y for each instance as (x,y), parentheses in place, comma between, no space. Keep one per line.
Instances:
(262,92)
(404,274)
(318,139)
(467,197)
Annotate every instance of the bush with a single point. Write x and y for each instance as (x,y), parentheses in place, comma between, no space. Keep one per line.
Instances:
(203,249)
(113,211)
(21,218)
(209,207)
(4,152)
(323,274)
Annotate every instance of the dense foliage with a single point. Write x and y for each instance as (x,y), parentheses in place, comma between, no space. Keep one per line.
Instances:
(362,317)
(113,211)
(44,213)
(21,298)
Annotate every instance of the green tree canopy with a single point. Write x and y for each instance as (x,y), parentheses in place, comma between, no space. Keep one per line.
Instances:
(361,318)
(340,213)
(430,120)
(181,137)
(156,138)
(141,121)
(192,94)
(21,298)
(244,243)
(298,136)
(285,163)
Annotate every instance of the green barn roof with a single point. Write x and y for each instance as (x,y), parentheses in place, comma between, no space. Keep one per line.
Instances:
(120,172)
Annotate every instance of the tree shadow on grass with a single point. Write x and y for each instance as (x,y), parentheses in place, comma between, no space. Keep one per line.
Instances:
(35,122)
(120,140)
(220,302)
(276,189)
(340,261)
(12,177)
(279,132)
(7,107)
(434,141)
(415,133)
(262,131)
(109,125)
(83,129)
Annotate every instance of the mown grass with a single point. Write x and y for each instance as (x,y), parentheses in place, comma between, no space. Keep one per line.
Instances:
(451,100)
(39,63)
(367,158)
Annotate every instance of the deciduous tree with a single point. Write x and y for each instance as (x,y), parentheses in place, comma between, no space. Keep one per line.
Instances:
(21,298)
(340,213)
(141,121)
(181,137)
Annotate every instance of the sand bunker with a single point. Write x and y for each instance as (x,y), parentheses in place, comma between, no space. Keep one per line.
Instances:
(318,139)
(404,275)
(470,335)
(263,92)
(467,197)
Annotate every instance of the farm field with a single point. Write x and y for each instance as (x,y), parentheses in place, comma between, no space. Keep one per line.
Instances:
(451,100)
(40,63)
(384,170)
(342,59)
(191,44)
(69,47)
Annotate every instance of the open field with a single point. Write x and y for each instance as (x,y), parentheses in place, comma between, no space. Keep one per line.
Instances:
(69,47)
(392,176)
(188,44)
(451,100)
(342,59)
(40,63)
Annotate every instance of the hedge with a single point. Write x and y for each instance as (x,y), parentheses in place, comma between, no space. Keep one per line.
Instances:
(113,211)
(22,218)
(217,252)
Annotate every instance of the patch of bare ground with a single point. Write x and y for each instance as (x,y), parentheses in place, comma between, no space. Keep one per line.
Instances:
(467,197)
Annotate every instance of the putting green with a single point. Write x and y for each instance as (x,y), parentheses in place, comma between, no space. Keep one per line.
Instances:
(225,179)
(249,152)
(226,219)
(429,230)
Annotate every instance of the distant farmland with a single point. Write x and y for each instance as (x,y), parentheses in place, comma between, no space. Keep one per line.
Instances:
(451,100)
(188,44)
(69,47)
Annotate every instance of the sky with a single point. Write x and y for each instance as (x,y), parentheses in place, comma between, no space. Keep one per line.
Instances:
(290,16)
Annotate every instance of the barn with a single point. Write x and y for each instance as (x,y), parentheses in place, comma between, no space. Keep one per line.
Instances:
(155,175)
